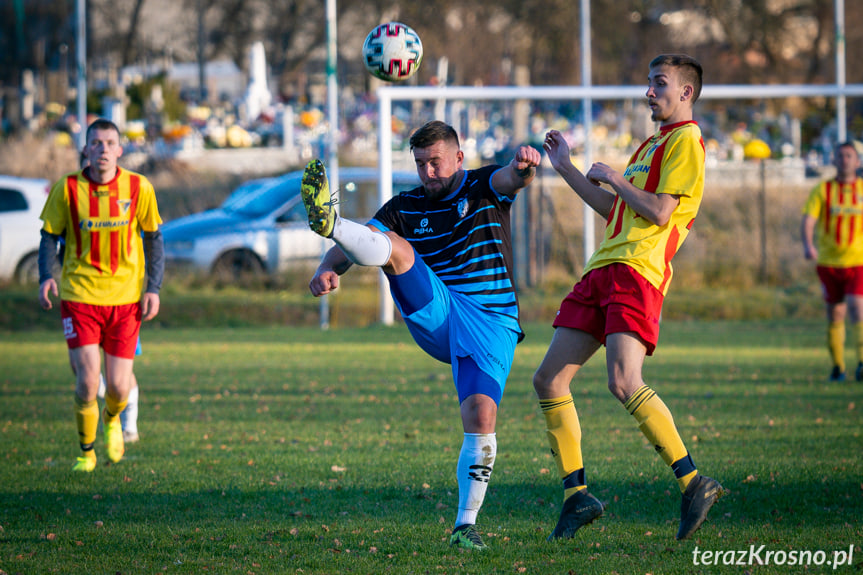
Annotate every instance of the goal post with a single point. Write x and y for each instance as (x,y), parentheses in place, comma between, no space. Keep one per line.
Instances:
(388,94)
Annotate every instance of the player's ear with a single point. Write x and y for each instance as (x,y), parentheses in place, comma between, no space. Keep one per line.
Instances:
(687,92)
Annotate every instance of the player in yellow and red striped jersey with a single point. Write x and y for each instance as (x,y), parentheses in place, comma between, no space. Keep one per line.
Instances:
(109,219)
(632,239)
(834,213)
(618,301)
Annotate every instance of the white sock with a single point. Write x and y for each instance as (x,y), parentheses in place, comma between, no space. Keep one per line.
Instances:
(475,463)
(362,245)
(129,416)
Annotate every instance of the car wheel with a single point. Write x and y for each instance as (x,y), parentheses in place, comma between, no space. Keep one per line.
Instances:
(27,272)
(238,265)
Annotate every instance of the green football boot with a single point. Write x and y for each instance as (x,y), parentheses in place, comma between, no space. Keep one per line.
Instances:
(317,199)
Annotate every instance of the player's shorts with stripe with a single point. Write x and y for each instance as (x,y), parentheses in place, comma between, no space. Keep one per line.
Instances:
(613,299)
(836,283)
(114,327)
(452,328)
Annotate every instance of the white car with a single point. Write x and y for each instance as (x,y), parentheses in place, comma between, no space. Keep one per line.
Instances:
(262,227)
(21,202)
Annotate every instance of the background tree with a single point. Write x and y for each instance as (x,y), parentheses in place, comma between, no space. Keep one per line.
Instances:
(752,41)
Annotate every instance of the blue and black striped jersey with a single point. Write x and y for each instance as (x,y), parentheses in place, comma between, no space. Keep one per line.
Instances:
(464,238)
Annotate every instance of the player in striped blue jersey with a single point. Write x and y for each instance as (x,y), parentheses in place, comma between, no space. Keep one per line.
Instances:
(445,248)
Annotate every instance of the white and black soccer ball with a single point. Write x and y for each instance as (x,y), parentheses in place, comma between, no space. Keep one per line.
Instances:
(392,52)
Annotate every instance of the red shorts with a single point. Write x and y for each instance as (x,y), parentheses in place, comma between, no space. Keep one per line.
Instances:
(836,283)
(114,327)
(613,299)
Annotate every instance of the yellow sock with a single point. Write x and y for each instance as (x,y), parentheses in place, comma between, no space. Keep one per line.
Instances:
(113,408)
(87,421)
(836,343)
(564,436)
(656,423)
(858,335)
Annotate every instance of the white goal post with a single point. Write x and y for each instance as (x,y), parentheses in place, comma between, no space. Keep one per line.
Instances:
(387,94)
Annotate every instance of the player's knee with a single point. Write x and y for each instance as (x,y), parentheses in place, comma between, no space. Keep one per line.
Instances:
(548,383)
(401,257)
(485,418)
(621,388)
(479,414)
(541,381)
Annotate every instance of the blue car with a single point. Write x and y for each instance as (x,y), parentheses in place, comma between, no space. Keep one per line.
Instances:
(261,228)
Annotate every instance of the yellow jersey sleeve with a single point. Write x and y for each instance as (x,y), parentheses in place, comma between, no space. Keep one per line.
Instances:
(55,212)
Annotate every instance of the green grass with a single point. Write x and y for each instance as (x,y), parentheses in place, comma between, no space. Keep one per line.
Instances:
(291,450)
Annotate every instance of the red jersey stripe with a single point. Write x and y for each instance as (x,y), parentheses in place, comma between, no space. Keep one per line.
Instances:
(113,194)
(115,251)
(93,198)
(839,218)
(670,249)
(72,189)
(616,215)
(95,251)
(114,236)
(655,168)
(134,192)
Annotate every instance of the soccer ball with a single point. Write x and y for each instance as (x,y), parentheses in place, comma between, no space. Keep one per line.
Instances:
(392,52)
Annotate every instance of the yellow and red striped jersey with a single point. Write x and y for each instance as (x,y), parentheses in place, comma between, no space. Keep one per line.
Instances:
(670,162)
(838,208)
(102,224)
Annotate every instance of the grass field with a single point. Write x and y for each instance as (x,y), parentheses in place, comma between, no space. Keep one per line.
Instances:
(291,450)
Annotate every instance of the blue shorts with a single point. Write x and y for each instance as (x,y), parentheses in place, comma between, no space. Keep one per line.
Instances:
(452,328)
